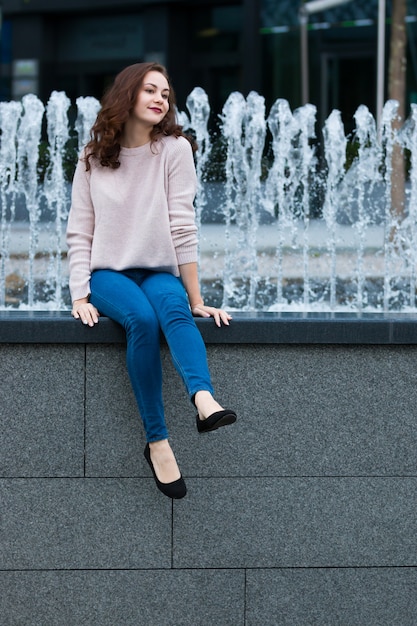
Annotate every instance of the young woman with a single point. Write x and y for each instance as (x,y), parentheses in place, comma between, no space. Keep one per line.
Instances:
(132,243)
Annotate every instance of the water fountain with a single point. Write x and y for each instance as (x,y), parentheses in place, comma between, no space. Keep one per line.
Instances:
(292,230)
(287,222)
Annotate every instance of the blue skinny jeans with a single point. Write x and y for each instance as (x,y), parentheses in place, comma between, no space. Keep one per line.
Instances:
(144,303)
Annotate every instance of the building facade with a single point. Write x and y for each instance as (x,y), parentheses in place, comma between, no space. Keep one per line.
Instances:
(78,46)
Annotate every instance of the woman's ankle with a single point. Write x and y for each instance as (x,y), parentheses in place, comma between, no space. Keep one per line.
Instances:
(161,444)
(205,403)
(165,463)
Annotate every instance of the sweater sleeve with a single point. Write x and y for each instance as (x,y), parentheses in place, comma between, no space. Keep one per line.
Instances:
(182,186)
(80,231)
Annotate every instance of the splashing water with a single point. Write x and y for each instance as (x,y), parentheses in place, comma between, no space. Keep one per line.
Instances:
(28,138)
(199,108)
(244,127)
(294,218)
(9,116)
(34,209)
(87,108)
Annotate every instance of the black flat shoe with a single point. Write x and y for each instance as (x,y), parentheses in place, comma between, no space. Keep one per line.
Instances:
(215,420)
(177,489)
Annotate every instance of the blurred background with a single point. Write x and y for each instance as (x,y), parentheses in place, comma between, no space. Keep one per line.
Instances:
(78,46)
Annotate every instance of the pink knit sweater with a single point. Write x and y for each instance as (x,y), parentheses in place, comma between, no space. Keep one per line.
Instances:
(140,215)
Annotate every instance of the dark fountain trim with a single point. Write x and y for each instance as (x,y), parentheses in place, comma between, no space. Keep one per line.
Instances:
(246,328)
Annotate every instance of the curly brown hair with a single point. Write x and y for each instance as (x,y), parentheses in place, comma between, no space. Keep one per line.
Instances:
(116,106)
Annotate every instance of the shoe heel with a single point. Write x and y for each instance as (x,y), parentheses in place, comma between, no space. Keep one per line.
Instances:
(175,490)
(216,420)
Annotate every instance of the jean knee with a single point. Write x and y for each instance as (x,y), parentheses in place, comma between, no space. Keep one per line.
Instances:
(143,325)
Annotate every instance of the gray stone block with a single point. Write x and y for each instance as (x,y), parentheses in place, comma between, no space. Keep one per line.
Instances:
(332,597)
(316,482)
(297,522)
(114,433)
(115,437)
(84,523)
(122,598)
(41,410)
(308,410)
(303,410)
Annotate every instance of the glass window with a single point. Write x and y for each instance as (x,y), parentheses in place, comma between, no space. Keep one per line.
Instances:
(217,29)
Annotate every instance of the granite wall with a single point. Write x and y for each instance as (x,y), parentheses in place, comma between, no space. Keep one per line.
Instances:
(303,512)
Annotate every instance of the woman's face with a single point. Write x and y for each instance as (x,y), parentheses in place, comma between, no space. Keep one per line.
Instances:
(152,100)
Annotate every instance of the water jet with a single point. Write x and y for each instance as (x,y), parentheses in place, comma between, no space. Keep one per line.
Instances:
(292,218)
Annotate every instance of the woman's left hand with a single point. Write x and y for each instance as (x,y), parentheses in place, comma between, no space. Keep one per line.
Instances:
(201,310)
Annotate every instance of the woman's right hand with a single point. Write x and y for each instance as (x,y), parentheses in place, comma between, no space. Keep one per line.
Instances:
(84,311)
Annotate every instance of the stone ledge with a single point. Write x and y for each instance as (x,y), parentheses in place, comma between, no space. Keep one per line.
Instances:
(246,328)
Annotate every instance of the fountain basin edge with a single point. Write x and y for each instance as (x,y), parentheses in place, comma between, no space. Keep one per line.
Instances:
(246,328)
(317,476)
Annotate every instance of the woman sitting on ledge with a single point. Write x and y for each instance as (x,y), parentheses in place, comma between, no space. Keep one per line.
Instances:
(132,243)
